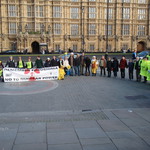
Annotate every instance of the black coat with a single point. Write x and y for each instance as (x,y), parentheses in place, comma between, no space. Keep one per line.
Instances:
(115,65)
(87,61)
(77,61)
(47,63)
(10,64)
(109,65)
(54,62)
(60,63)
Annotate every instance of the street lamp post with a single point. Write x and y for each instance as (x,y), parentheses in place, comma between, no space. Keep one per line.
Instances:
(107,26)
(83,42)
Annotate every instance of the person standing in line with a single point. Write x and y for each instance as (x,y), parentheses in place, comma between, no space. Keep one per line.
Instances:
(130,69)
(115,66)
(71,63)
(39,62)
(47,62)
(123,65)
(94,63)
(137,68)
(29,63)
(82,64)
(10,63)
(102,64)
(66,66)
(143,71)
(87,66)
(77,65)
(20,63)
(109,66)
(54,62)
(1,69)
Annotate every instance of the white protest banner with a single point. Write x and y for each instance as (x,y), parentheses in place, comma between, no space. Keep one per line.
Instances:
(21,75)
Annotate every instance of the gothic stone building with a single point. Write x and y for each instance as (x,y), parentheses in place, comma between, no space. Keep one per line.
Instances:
(89,25)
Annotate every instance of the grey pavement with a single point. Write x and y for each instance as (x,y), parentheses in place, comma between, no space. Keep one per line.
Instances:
(80,113)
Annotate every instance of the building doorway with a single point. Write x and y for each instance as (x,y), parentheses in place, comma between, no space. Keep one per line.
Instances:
(35,48)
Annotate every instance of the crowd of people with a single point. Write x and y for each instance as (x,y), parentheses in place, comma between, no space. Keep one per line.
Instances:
(82,65)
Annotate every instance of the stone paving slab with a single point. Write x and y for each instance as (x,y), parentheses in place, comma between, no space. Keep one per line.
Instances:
(113,125)
(100,147)
(6,145)
(31,138)
(121,134)
(90,133)
(62,138)
(95,141)
(131,144)
(38,146)
(32,127)
(65,147)
(135,122)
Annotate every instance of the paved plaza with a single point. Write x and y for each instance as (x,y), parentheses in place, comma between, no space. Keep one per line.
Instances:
(78,113)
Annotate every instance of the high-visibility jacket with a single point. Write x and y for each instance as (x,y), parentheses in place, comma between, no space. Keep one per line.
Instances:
(29,64)
(143,71)
(148,70)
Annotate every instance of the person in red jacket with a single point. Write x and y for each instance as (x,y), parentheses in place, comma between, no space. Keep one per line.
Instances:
(123,65)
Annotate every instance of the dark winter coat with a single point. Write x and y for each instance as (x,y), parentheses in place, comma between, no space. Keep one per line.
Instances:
(10,64)
(115,65)
(87,61)
(131,66)
(47,63)
(77,61)
(109,65)
(123,64)
(54,62)
(39,63)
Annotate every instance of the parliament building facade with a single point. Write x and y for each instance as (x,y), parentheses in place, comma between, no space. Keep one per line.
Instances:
(89,25)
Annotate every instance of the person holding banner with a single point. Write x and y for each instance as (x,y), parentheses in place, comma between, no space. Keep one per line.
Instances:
(29,63)
(20,63)
(10,63)
(39,62)
(61,69)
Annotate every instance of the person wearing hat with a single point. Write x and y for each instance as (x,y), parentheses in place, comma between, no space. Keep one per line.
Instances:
(47,62)
(29,63)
